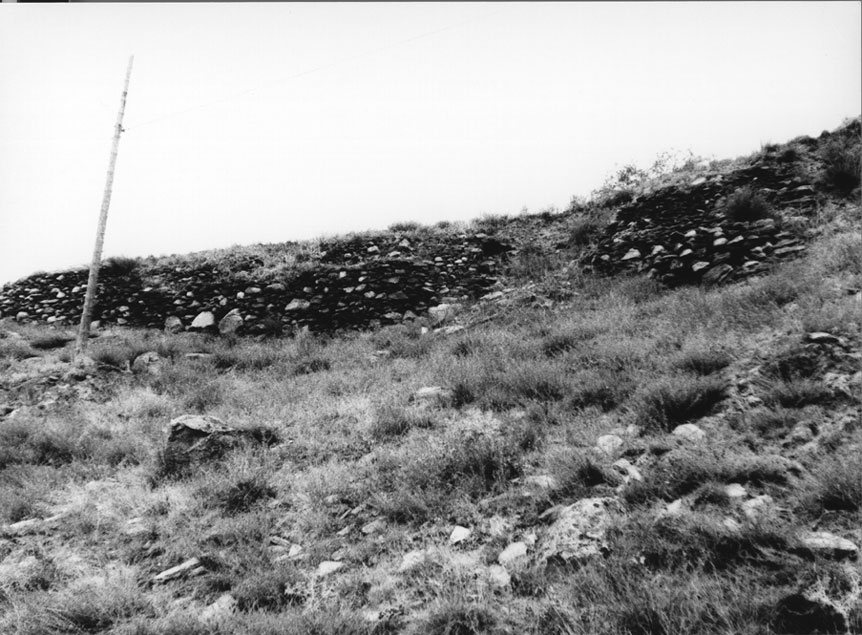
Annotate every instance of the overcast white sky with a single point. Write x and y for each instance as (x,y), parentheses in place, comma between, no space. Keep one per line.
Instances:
(269,122)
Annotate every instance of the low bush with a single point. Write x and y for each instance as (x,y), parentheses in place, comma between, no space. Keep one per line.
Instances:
(746,205)
(842,164)
(584,231)
(406,226)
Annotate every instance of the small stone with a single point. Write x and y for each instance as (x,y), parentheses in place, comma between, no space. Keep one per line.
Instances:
(734,490)
(203,320)
(459,534)
(731,524)
(829,545)
(177,571)
(580,529)
(631,255)
(412,560)
(699,265)
(718,242)
(374,526)
(511,554)
(443,312)
(497,526)
(798,613)
(297,305)
(432,393)
(294,551)
(230,323)
(498,576)
(329,567)
(689,432)
(820,337)
(757,506)
(149,363)
(173,324)
(542,481)
(223,607)
(610,444)
(674,508)
(628,471)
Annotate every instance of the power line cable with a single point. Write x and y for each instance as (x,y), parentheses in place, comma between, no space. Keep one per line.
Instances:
(316,69)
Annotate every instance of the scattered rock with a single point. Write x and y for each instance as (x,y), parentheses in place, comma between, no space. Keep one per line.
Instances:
(297,304)
(515,552)
(203,320)
(443,312)
(230,323)
(735,491)
(149,363)
(430,394)
(194,439)
(820,337)
(797,614)
(498,576)
(758,506)
(579,531)
(829,545)
(610,444)
(173,324)
(689,432)
(328,567)
(375,526)
(629,472)
(412,560)
(459,534)
(185,568)
(222,608)
(541,481)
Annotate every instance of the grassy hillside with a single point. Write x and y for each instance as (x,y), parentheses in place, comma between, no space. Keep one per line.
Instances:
(585,449)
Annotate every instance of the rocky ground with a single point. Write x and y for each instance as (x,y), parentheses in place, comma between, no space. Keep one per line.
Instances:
(554,435)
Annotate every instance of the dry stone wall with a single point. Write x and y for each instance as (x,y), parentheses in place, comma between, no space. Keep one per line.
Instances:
(682,234)
(353,283)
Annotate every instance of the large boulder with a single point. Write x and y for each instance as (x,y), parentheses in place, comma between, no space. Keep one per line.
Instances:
(196,439)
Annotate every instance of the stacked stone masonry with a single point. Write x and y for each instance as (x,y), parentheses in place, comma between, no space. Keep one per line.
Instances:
(681,235)
(354,283)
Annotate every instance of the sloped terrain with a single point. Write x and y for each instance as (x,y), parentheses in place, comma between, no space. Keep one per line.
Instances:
(582,440)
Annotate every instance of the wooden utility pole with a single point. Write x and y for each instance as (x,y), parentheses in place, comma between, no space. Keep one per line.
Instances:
(90,298)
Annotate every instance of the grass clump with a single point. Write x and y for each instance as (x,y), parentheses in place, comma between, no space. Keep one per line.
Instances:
(703,362)
(243,495)
(746,205)
(50,341)
(391,420)
(797,393)
(838,486)
(459,618)
(669,403)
